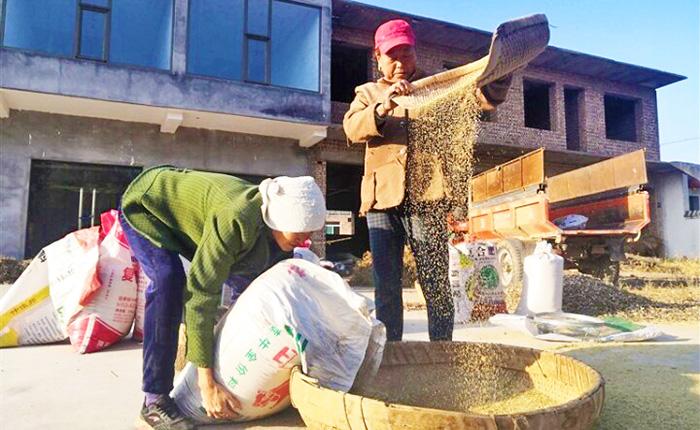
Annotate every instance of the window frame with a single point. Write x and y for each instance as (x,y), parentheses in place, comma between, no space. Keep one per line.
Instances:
(244,49)
(83,6)
(75,41)
(248,36)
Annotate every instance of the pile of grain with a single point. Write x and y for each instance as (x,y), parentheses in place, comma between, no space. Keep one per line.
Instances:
(584,294)
(588,295)
(476,378)
(466,387)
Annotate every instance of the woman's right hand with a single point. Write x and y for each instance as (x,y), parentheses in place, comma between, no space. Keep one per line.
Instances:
(399,88)
(219,403)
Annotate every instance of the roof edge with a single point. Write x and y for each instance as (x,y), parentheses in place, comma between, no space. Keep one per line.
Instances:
(670,78)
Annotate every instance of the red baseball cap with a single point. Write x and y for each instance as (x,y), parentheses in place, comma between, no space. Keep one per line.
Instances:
(392,34)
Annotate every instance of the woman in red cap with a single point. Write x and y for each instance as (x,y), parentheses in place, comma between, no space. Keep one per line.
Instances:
(376,120)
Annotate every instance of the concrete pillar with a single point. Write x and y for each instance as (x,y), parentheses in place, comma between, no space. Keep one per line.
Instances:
(179,58)
(557,111)
(14,195)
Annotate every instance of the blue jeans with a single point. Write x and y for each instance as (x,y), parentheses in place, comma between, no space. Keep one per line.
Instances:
(163,309)
(426,233)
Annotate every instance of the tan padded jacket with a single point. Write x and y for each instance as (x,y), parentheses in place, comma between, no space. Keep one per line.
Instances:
(384,180)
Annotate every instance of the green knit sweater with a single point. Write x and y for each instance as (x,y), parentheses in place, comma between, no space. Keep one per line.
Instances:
(213,220)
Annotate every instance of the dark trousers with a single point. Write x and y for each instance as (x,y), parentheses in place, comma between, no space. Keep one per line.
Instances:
(163,310)
(427,236)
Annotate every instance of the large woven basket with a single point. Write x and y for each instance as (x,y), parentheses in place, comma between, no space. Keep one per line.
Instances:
(323,409)
(514,44)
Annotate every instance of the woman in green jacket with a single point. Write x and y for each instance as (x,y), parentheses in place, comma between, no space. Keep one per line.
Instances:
(223,225)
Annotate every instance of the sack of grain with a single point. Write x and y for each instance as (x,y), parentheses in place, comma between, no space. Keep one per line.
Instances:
(476,287)
(27,314)
(39,305)
(107,315)
(296,313)
(72,271)
(82,286)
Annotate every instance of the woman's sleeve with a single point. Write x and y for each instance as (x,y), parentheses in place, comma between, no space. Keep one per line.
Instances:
(221,246)
(360,122)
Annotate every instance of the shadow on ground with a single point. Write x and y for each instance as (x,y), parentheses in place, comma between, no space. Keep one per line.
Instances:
(288,419)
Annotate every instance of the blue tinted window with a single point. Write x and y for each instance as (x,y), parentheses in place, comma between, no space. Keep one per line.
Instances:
(295,45)
(39,25)
(257,60)
(92,34)
(215,38)
(258,13)
(141,32)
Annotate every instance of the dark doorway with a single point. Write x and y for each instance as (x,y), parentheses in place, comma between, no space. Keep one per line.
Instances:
(64,197)
(536,101)
(620,118)
(349,69)
(343,193)
(572,108)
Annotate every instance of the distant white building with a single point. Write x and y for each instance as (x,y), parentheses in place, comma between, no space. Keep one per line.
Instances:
(677,208)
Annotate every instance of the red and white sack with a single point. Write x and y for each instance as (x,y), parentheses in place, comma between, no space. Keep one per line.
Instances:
(296,313)
(109,313)
(72,272)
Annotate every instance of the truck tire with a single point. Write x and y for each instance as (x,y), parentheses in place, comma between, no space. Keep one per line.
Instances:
(510,254)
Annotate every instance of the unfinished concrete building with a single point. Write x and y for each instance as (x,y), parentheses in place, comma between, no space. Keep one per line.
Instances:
(89,96)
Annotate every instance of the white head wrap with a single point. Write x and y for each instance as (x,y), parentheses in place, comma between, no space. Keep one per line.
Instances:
(294,205)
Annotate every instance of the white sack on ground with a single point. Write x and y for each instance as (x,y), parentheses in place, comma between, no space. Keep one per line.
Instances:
(296,313)
(27,314)
(543,281)
(39,306)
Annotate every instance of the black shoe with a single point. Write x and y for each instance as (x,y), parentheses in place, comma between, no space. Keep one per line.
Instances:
(165,415)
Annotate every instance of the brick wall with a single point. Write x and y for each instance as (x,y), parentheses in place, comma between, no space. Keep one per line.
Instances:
(509,128)
(317,167)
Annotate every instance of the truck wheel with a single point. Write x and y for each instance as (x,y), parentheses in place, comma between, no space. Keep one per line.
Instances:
(510,259)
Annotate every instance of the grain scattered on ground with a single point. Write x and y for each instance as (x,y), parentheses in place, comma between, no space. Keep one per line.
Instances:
(11,269)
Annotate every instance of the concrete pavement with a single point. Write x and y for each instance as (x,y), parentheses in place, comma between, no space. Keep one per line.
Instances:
(50,386)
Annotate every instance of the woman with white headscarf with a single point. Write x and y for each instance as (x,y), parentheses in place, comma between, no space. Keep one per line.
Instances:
(223,225)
